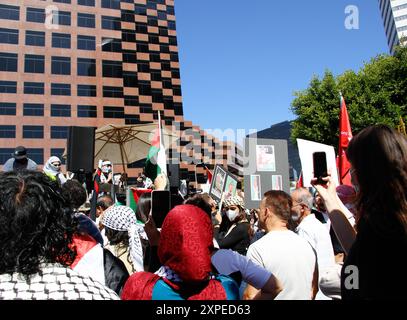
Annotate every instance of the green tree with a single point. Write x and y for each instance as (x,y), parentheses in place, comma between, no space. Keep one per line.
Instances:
(377,93)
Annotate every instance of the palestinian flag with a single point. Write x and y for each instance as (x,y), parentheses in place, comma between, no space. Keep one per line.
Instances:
(156,162)
(134,196)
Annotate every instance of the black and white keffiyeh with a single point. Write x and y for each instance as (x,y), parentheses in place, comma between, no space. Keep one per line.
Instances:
(122,218)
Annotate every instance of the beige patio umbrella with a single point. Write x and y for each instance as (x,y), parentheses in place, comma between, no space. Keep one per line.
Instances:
(125,144)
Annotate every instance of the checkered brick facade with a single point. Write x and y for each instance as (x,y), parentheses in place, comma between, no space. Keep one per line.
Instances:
(134,72)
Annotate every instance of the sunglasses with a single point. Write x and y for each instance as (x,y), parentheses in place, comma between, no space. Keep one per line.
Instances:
(56,164)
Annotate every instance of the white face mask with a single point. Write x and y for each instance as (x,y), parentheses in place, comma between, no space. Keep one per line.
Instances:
(232,214)
(105,169)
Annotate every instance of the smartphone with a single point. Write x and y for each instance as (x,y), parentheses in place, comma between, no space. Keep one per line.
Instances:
(320,167)
(160,206)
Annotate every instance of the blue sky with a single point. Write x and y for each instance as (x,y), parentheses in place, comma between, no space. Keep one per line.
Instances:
(241,61)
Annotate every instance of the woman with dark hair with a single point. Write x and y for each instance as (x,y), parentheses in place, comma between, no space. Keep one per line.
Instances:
(237,236)
(143,207)
(36,242)
(376,262)
(124,233)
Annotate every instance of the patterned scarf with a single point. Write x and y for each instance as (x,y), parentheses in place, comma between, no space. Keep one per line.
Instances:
(122,218)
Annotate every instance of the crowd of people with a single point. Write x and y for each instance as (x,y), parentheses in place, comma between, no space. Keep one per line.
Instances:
(328,242)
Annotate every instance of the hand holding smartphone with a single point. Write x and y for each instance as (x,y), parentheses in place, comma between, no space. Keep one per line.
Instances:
(320,166)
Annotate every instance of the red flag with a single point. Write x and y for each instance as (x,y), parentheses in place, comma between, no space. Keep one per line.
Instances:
(345,135)
(209,175)
(300,183)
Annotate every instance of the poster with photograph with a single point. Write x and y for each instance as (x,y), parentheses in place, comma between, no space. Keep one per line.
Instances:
(305,149)
(218,183)
(277,182)
(255,188)
(265,158)
(230,187)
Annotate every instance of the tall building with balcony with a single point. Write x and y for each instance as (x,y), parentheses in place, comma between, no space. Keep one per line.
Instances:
(91,63)
(394,14)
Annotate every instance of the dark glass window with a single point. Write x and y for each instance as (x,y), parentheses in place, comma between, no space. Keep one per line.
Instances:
(174,57)
(61,40)
(36,15)
(143,67)
(86,43)
(144,88)
(130,79)
(111,23)
(62,18)
(129,35)
(36,154)
(143,47)
(171,25)
(8,62)
(58,152)
(152,5)
(113,45)
(34,63)
(87,111)
(112,69)
(7,131)
(5,154)
(153,39)
(88,3)
(8,87)
(60,110)
(35,38)
(155,57)
(33,88)
(8,36)
(86,20)
(141,27)
(163,31)
(60,65)
(8,109)
(63,1)
(113,112)
(33,132)
(152,21)
(9,12)
(60,89)
(111,4)
(157,95)
(33,109)
(173,41)
(140,9)
(59,132)
(162,15)
(130,57)
(164,48)
(170,10)
(86,67)
(127,15)
(112,92)
(85,90)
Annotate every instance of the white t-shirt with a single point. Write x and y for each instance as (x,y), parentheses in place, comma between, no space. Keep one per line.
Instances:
(290,258)
(227,261)
(312,230)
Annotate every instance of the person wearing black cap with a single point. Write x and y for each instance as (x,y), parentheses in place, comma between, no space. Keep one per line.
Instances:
(20,161)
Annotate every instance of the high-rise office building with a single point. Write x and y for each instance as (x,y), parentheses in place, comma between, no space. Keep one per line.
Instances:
(394,14)
(91,63)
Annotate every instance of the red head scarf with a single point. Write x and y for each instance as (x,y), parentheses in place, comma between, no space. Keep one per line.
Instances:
(186,243)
